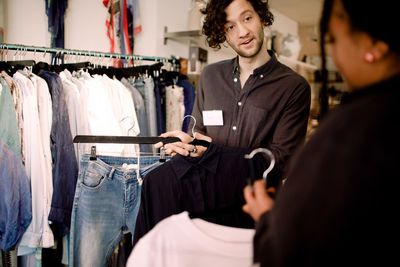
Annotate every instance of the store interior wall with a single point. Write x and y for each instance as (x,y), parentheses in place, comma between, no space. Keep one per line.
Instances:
(25,22)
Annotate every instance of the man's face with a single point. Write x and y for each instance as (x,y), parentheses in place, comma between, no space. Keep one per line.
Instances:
(244,30)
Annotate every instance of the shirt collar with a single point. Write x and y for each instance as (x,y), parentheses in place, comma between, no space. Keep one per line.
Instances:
(209,160)
(266,68)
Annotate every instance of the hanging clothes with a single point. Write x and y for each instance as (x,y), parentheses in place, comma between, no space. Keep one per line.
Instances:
(175,108)
(17,99)
(209,187)
(15,198)
(55,10)
(189,96)
(140,109)
(179,241)
(38,233)
(65,167)
(107,197)
(9,131)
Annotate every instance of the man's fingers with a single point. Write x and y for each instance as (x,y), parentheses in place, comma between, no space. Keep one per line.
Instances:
(200,136)
(158,145)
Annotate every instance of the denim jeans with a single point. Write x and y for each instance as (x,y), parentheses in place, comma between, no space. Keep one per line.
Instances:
(106,204)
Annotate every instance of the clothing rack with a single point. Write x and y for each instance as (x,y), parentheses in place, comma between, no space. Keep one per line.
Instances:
(63,51)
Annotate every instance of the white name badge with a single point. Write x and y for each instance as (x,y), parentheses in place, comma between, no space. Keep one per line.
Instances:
(213,118)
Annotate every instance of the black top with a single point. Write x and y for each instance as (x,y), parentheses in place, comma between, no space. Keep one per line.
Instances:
(208,187)
(339,206)
(270,111)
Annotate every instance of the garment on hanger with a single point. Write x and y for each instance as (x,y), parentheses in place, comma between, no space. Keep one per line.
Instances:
(65,166)
(52,105)
(37,166)
(15,196)
(189,96)
(8,120)
(179,241)
(107,201)
(208,187)
(140,109)
(175,109)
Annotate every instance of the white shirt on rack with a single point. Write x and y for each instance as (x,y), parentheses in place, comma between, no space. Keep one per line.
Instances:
(38,233)
(179,241)
(76,111)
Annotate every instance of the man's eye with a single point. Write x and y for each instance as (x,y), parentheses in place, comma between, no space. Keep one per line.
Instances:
(229,28)
(247,18)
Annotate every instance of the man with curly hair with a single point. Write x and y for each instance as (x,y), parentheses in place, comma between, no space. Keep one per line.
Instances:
(252,100)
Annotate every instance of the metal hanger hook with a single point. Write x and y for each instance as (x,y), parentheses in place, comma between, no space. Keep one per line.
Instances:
(268,153)
(194,124)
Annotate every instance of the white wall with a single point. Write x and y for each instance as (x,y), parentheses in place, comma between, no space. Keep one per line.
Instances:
(284,24)
(25,22)
(85,25)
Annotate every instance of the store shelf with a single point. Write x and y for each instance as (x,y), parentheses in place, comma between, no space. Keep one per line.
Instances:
(181,35)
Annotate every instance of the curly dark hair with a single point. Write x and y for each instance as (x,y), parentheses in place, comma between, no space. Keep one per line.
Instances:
(215,19)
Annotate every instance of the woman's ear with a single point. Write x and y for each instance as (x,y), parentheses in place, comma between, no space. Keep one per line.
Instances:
(375,50)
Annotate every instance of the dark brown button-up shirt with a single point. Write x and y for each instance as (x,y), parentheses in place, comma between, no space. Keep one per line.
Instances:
(270,111)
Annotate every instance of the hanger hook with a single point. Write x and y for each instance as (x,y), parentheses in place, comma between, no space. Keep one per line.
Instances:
(268,153)
(194,124)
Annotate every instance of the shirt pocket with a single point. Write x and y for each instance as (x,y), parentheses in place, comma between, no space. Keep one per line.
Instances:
(253,124)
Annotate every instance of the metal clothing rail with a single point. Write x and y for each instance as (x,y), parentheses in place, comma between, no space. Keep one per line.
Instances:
(62,51)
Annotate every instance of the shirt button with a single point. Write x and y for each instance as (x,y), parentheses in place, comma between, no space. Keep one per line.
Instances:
(235,80)
(239,104)
(234,128)
(261,76)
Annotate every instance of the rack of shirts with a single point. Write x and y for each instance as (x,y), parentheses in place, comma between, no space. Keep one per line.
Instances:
(74,52)
(48,105)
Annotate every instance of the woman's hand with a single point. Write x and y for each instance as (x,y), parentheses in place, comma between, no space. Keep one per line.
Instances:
(258,199)
(183,148)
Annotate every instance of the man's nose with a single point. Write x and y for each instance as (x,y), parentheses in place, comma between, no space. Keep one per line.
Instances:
(243,30)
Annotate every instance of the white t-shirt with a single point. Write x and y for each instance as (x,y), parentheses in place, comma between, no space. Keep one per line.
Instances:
(179,241)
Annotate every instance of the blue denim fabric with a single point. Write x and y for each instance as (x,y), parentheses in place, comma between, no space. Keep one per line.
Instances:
(140,109)
(159,91)
(188,100)
(146,88)
(151,105)
(15,198)
(65,166)
(106,204)
(8,120)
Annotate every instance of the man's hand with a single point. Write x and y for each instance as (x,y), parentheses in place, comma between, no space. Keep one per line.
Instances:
(183,148)
(258,199)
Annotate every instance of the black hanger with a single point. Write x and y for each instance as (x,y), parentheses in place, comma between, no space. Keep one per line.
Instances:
(76,66)
(124,140)
(13,66)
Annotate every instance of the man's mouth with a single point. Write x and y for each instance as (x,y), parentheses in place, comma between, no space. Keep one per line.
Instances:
(247,42)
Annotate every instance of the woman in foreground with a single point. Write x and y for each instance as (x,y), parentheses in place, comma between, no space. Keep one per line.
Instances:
(339,204)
